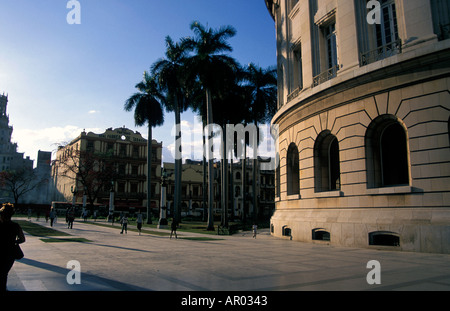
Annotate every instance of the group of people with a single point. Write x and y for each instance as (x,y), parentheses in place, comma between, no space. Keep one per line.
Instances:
(140,221)
(124,222)
(11,235)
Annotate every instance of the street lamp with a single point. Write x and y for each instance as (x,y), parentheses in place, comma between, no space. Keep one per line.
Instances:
(162,224)
(111,203)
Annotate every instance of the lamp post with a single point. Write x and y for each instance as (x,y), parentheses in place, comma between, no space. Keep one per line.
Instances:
(111,203)
(162,224)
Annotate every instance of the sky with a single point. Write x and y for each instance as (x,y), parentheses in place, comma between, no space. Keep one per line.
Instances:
(62,78)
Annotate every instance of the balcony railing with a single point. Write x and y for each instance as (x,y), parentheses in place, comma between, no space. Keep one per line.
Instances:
(294,94)
(381,52)
(444,31)
(325,76)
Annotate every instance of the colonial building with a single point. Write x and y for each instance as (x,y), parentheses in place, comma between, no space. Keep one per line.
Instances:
(127,152)
(364,119)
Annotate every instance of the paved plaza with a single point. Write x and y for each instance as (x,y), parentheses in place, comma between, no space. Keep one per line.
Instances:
(128,262)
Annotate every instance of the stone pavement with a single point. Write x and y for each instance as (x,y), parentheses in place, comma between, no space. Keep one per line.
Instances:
(129,262)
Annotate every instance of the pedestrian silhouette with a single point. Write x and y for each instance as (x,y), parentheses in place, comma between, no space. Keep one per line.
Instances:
(139,221)
(174,226)
(11,235)
(255,230)
(70,218)
(124,222)
(52,216)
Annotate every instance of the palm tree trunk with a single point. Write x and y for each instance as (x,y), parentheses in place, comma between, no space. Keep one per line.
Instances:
(244,181)
(149,175)
(178,165)
(204,192)
(224,180)
(209,114)
(255,195)
(231,192)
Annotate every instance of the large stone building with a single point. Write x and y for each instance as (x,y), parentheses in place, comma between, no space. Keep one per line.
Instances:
(10,159)
(364,107)
(35,181)
(127,151)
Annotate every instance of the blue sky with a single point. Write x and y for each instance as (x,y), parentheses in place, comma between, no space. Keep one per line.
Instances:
(63,78)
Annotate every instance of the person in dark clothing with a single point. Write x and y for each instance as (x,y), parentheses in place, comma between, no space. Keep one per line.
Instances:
(11,234)
(174,229)
(70,218)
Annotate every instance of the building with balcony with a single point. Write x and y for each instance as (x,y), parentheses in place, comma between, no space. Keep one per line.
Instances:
(122,155)
(364,120)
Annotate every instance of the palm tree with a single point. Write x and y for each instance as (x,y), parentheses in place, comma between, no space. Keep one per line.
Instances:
(147,110)
(169,74)
(231,97)
(262,85)
(208,65)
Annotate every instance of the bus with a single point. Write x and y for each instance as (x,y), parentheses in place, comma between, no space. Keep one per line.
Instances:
(62,207)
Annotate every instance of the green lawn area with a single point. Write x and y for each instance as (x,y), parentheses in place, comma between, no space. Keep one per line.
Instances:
(38,230)
(131,227)
(64,240)
(200,238)
(194,227)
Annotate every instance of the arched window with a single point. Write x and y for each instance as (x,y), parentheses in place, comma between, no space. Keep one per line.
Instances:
(448,124)
(327,172)
(278,182)
(384,238)
(292,166)
(238,175)
(320,234)
(386,153)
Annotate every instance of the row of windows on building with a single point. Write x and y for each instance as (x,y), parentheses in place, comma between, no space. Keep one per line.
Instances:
(387,161)
(377,238)
(376,42)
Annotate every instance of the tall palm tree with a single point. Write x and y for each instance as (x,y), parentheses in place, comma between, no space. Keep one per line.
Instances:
(231,97)
(262,85)
(169,73)
(208,65)
(147,110)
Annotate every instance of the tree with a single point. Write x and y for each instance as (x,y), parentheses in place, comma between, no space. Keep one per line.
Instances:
(262,87)
(91,170)
(147,110)
(209,66)
(169,74)
(19,182)
(231,97)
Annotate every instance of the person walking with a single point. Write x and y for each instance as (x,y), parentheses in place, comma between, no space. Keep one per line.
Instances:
(255,230)
(52,216)
(70,218)
(11,235)
(139,221)
(124,222)
(174,226)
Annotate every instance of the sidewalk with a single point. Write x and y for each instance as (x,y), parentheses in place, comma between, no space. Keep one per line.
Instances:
(128,262)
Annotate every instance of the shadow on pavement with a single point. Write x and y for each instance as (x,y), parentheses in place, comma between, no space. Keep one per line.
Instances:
(116,285)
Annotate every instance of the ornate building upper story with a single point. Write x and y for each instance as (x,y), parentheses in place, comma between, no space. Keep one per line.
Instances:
(125,148)
(323,44)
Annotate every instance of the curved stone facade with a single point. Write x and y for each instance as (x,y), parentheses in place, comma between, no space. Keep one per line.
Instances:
(364,118)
